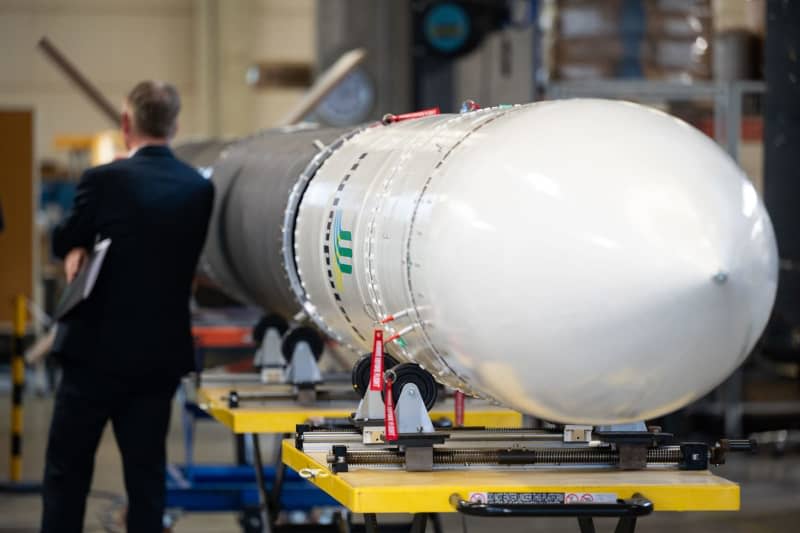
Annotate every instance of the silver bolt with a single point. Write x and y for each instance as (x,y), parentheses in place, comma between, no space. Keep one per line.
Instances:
(720,277)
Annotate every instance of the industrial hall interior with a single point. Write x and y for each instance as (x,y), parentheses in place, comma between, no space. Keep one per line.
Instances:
(399,266)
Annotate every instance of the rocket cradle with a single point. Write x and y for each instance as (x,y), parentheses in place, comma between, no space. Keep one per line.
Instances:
(583,261)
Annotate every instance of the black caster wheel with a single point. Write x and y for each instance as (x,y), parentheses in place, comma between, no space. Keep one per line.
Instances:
(406,373)
(266,322)
(302,333)
(361,370)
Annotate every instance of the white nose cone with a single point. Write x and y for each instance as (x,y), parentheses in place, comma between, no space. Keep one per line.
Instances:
(595,261)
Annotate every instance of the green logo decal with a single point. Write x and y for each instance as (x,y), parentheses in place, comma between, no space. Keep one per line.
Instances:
(342,249)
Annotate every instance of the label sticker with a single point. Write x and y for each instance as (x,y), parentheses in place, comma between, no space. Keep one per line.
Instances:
(595,497)
(540,498)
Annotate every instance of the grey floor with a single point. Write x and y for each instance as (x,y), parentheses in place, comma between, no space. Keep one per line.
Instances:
(770,488)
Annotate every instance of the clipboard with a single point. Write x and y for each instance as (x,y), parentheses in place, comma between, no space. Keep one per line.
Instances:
(81,287)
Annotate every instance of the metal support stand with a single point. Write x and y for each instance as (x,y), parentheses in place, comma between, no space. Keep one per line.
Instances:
(419,523)
(370,413)
(412,415)
(304,373)
(263,496)
(586,523)
(370,407)
(269,357)
(371,523)
(277,488)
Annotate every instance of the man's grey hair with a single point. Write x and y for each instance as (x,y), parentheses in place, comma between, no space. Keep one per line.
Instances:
(155,106)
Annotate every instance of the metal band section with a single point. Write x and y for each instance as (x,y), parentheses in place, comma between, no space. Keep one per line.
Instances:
(354,229)
(290,217)
(254,179)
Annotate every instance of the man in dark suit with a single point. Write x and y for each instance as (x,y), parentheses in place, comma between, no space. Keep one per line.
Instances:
(124,348)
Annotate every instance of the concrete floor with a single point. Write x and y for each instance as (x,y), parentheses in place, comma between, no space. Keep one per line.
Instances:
(770,488)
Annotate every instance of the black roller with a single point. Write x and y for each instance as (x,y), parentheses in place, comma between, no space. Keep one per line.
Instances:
(406,373)
(302,333)
(361,371)
(267,322)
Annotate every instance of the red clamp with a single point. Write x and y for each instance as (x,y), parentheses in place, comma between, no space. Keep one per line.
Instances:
(376,367)
(390,118)
(389,418)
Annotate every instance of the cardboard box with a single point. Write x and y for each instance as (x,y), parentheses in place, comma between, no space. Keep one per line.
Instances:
(689,55)
(588,19)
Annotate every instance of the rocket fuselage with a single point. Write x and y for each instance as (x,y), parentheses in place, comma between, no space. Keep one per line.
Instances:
(582,261)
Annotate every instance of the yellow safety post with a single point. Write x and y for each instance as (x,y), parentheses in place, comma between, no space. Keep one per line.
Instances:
(18,386)
(15,484)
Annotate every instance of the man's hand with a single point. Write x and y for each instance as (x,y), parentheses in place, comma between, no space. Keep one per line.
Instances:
(73,262)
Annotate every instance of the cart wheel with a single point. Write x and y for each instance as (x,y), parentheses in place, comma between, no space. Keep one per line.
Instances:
(302,333)
(406,373)
(266,322)
(361,370)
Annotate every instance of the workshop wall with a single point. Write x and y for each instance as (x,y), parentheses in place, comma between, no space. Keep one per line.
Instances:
(203,46)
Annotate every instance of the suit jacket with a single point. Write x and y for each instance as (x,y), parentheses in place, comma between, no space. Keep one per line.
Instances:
(136,321)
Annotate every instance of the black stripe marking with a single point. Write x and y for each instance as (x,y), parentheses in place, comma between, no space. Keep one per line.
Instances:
(16,395)
(16,445)
(326,248)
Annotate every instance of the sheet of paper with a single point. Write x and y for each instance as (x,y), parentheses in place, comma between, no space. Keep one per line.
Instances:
(95,263)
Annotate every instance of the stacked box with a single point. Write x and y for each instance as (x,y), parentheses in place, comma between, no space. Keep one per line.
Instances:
(589,41)
(656,39)
(677,43)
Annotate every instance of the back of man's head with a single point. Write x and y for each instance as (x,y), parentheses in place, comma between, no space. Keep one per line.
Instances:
(154,107)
